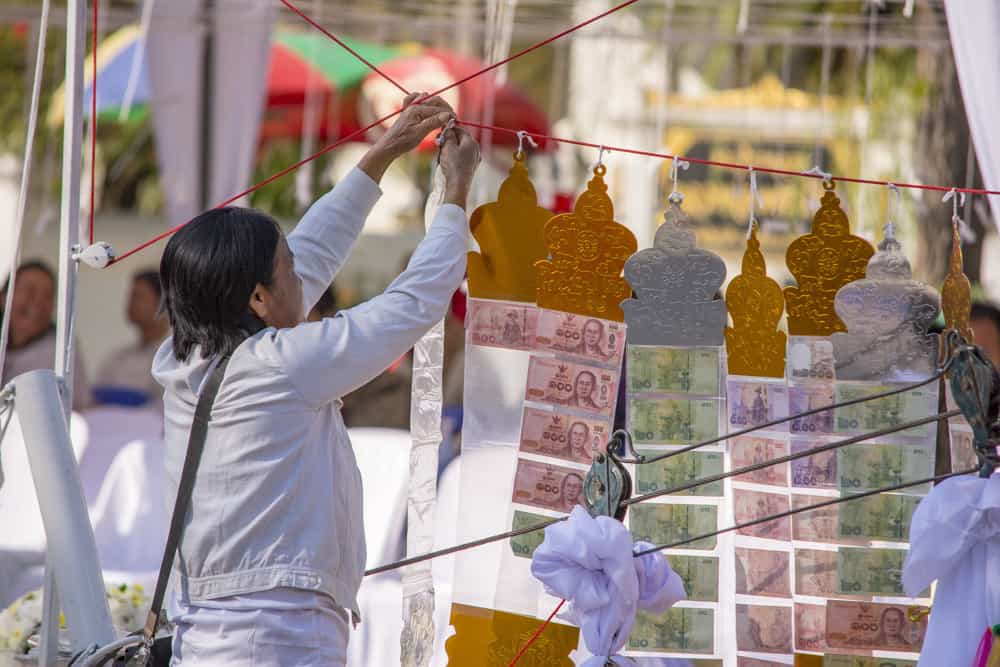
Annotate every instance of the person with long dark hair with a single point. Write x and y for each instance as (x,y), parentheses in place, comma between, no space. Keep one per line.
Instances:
(273,549)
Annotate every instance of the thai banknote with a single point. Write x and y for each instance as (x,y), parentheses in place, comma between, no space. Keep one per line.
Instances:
(763,572)
(865,661)
(753,403)
(673,420)
(886,412)
(700,575)
(748,450)
(809,397)
(865,467)
(680,629)
(502,324)
(810,359)
(573,385)
(678,470)
(870,625)
(885,517)
(562,435)
(818,471)
(549,486)
(524,545)
(666,524)
(752,505)
(673,370)
(815,572)
(810,627)
(963,455)
(763,629)
(865,571)
(819,525)
(598,340)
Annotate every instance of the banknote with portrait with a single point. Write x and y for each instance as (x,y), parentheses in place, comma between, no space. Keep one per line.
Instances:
(597,340)
(753,403)
(874,626)
(548,486)
(801,399)
(810,627)
(563,435)
(572,385)
(818,471)
(502,324)
(747,450)
(763,629)
(810,359)
(752,505)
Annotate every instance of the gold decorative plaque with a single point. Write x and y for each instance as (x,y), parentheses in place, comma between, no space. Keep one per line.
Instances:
(492,638)
(510,233)
(588,250)
(822,262)
(956,293)
(754,346)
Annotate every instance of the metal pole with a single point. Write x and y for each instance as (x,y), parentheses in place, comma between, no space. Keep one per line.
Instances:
(207,116)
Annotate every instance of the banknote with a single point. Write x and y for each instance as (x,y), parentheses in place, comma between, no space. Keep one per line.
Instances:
(865,661)
(751,505)
(809,397)
(865,467)
(673,420)
(866,571)
(762,572)
(666,524)
(810,359)
(810,627)
(675,471)
(574,385)
(885,517)
(963,456)
(752,403)
(870,625)
(525,545)
(818,471)
(673,370)
(680,629)
(563,436)
(886,412)
(744,661)
(748,450)
(819,525)
(598,340)
(700,575)
(763,629)
(501,324)
(815,572)
(549,486)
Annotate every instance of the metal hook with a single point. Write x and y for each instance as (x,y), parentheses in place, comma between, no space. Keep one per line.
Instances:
(892,211)
(754,201)
(827,176)
(675,196)
(523,136)
(958,199)
(599,167)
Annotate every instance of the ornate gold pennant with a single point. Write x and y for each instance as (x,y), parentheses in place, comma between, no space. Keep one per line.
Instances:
(492,639)
(510,233)
(588,250)
(956,292)
(754,346)
(822,262)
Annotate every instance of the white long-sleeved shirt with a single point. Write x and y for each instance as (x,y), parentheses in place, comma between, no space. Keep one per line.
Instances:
(277,502)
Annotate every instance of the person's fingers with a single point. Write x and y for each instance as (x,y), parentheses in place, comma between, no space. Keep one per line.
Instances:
(427,125)
(409,99)
(438,102)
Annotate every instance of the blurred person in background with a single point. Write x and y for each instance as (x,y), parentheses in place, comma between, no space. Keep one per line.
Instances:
(32,342)
(126,377)
(985,323)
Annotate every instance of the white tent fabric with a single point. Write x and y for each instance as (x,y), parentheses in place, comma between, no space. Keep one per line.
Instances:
(242,42)
(973,26)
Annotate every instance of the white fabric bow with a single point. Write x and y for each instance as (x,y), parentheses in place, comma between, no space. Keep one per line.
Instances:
(589,562)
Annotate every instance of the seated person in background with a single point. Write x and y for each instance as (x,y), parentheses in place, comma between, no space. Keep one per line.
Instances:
(985,323)
(126,377)
(32,342)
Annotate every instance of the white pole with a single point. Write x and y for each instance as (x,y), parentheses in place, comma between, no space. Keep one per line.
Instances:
(70,545)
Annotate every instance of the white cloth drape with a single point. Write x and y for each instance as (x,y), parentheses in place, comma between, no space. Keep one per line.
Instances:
(955,539)
(973,26)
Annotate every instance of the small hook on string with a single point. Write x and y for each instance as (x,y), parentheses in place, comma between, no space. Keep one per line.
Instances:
(675,196)
(827,176)
(964,230)
(599,167)
(754,201)
(523,136)
(893,205)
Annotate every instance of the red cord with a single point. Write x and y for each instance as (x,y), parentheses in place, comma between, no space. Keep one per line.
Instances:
(93,127)
(531,640)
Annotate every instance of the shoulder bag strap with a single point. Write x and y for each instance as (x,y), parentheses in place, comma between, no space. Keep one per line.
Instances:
(196,444)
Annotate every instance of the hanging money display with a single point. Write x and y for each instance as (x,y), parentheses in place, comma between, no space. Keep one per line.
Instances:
(673,398)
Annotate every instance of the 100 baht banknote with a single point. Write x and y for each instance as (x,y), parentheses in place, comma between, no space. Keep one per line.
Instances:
(886,412)
(699,574)
(885,517)
(874,626)
(752,403)
(666,524)
(665,370)
(747,450)
(524,545)
(548,486)
(818,471)
(755,505)
(763,629)
(502,324)
(680,630)
(563,435)
(577,386)
(866,467)
(803,398)
(673,420)
(865,571)
(963,454)
(763,572)
(810,359)
(810,627)
(678,470)
(597,340)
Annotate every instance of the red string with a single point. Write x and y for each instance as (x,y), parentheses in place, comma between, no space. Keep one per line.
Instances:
(538,632)
(93,126)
